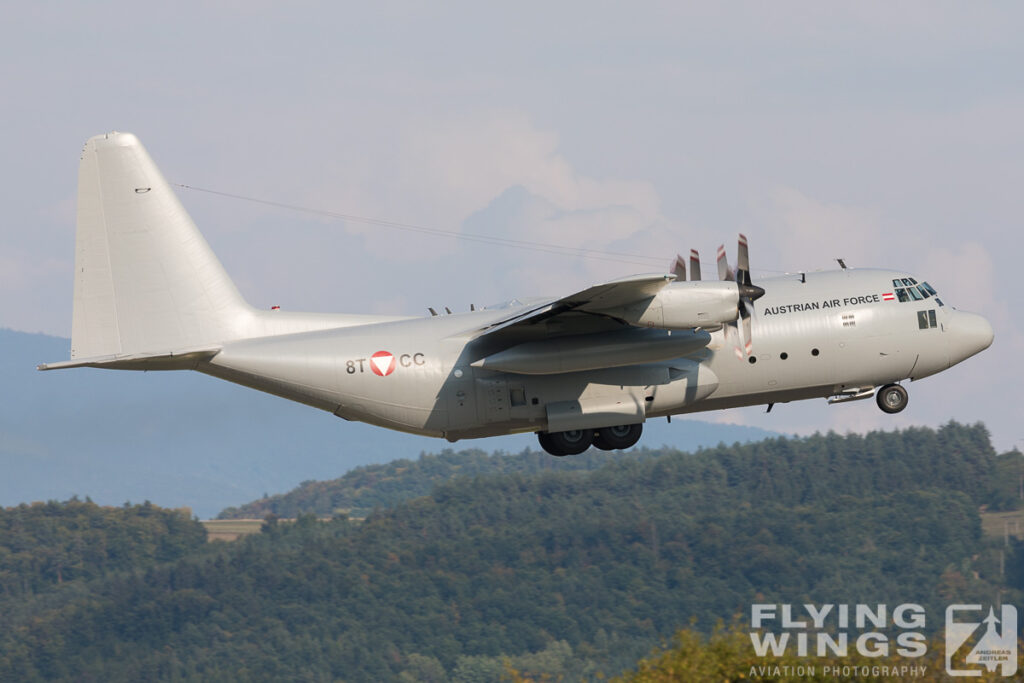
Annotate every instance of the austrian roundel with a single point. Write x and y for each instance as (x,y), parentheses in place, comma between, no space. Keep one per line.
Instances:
(382,363)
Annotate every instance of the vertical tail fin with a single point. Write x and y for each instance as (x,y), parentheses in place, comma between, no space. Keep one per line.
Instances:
(145,279)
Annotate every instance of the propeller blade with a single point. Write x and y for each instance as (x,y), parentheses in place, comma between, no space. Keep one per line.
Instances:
(747,289)
(748,308)
(694,265)
(732,334)
(742,262)
(724,271)
(747,315)
(678,267)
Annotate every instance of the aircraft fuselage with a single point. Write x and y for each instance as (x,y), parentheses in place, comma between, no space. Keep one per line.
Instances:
(825,334)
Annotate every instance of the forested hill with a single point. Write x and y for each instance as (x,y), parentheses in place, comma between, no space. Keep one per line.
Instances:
(846,464)
(568,574)
(364,489)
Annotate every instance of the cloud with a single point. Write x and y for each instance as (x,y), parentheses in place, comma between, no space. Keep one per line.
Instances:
(547,256)
(803,233)
(494,174)
(457,165)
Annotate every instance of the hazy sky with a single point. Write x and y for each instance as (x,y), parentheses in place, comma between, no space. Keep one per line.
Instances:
(889,134)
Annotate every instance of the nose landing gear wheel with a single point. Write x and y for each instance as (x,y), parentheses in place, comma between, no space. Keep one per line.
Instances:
(618,437)
(892,398)
(572,442)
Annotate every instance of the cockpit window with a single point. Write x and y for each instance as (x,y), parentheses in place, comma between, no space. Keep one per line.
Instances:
(908,289)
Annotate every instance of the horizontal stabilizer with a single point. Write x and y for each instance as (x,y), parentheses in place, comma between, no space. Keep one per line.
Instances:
(172,360)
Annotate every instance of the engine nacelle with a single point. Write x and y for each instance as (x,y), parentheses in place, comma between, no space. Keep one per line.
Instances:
(684,306)
(578,353)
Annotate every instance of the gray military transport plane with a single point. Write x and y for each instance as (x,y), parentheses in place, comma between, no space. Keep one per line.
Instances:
(580,370)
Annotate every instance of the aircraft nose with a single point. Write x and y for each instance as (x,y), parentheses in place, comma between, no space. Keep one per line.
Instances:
(971,334)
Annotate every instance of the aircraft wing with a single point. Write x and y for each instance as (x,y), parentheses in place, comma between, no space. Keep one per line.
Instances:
(609,295)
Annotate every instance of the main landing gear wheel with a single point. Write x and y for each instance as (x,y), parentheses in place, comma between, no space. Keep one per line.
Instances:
(618,437)
(892,398)
(572,442)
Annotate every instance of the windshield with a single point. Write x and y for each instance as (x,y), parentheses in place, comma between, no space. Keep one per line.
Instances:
(907,289)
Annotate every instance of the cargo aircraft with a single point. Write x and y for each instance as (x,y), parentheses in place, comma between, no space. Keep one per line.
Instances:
(582,370)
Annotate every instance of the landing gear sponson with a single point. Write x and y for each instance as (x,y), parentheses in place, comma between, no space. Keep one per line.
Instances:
(576,441)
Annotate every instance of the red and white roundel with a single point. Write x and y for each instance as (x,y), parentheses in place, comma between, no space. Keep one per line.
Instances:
(382,363)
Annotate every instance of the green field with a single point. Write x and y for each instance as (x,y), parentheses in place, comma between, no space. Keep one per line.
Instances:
(998,524)
(231,529)
(993,524)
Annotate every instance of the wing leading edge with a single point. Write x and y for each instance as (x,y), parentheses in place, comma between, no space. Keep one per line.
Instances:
(596,299)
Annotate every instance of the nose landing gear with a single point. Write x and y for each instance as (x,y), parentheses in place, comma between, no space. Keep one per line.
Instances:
(578,440)
(892,398)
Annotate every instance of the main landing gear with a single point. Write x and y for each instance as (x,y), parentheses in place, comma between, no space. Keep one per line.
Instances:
(892,398)
(576,441)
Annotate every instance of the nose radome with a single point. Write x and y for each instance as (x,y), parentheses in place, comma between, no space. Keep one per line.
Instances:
(972,334)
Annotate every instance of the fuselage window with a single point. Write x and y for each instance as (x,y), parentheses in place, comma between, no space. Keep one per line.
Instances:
(922,320)
(939,301)
(931,318)
(901,294)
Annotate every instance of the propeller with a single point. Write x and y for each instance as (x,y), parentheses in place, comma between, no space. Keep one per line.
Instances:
(694,265)
(748,292)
